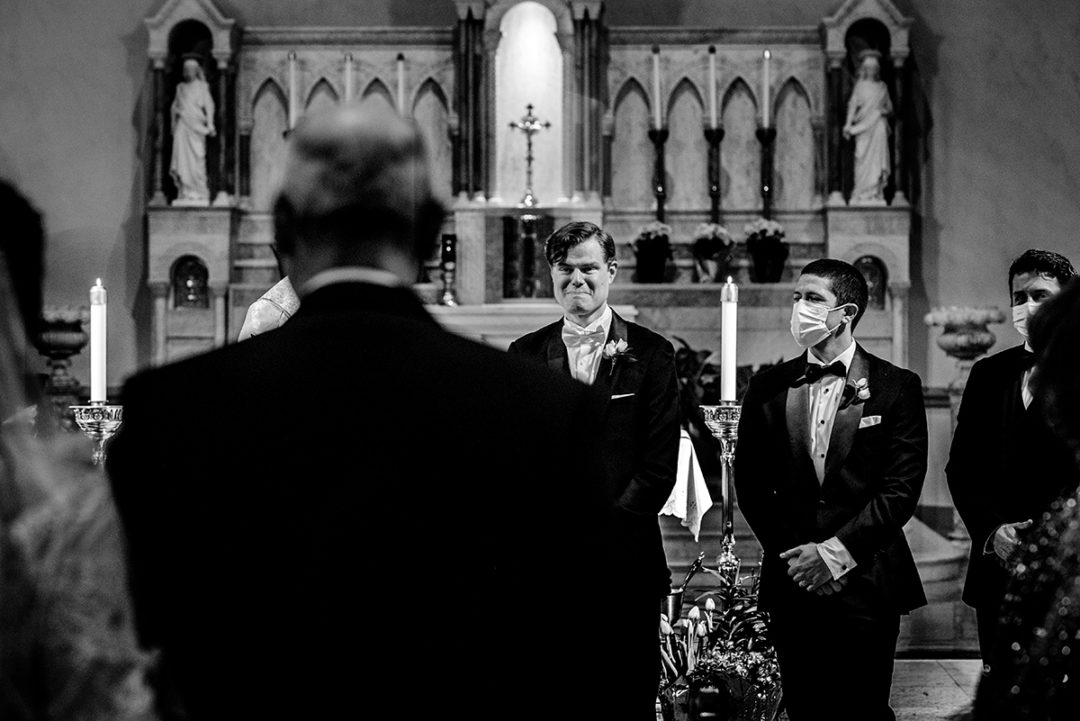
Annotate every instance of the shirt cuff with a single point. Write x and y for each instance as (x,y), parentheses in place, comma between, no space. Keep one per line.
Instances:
(836,557)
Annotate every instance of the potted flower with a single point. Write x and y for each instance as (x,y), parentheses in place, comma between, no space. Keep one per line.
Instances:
(652,250)
(712,250)
(767,249)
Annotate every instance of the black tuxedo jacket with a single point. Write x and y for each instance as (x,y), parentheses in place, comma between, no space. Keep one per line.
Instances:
(336,517)
(1005,466)
(874,472)
(639,442)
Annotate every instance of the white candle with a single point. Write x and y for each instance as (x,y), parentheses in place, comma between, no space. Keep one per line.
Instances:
(712,86)
(292,90)
(97,342)
(657,115)
(401,85)
(729,304)
(765,91)
(348,77)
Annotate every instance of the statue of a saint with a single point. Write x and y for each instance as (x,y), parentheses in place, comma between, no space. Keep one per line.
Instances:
(868,121)
(192,120)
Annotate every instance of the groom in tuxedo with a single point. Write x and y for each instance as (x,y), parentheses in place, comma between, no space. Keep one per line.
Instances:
(322,519)
(829,464)
(632,370)
(1006,466)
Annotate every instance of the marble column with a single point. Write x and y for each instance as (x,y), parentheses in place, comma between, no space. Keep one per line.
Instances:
(900,179)
(468,66)
(160,293)
(219,290)
(589,56)
(836,124)
(243,162)
(160,166)
(222,196)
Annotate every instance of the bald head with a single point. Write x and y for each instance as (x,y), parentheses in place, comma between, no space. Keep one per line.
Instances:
(356,187)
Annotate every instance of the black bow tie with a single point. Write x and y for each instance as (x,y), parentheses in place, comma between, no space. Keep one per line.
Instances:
(815,372)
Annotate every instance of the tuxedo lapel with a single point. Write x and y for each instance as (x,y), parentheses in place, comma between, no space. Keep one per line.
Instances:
(797,418)
(848,414)
(555,352)
(607,376)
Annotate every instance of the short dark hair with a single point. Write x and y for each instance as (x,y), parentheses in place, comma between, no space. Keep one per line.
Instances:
(1054,332)
(1043,262)
(559,243)
(845,281)
(23,246)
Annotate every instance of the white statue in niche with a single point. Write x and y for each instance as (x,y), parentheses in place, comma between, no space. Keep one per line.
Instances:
(192,121)
(868,121)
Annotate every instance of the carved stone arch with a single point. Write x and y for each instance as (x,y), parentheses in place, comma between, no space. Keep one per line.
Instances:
(189,282)
(876,274)
(173,12)
(631,84)
(851,12)
(736,85)
(378,89)
(431,112)
(564,19)
(270,85)
(794,160)
(793,84)
(432,86)
(685,85)
(322,93)
(269,113)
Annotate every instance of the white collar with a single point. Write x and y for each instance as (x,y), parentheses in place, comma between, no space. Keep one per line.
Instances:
(351,274)
(846,357)
(603,322)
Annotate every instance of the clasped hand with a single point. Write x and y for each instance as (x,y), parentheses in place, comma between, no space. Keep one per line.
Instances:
(807,568)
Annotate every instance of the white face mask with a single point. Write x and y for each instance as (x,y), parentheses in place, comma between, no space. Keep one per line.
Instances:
(808,326)
(1021,313)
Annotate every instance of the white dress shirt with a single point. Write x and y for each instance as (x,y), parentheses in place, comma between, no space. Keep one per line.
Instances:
(585,357)
(825,394)
(1025,381)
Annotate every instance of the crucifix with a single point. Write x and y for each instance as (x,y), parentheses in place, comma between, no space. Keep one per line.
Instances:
(530,125)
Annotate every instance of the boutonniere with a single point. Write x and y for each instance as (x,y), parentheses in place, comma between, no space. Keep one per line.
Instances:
(614,350)
(857,391)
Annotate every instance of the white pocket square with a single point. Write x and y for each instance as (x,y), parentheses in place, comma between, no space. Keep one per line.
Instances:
(617,396)
(867,421)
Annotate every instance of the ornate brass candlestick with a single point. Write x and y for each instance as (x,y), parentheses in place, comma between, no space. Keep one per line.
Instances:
(723,422)
(99,421)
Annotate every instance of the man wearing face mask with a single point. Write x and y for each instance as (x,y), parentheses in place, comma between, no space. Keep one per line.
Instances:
(829,465)
(1005,465)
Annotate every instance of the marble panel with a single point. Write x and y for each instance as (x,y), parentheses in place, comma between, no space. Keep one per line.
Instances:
(432,115)
(632,152)
(740,152)
(687,159)
(269,123)
(794,158)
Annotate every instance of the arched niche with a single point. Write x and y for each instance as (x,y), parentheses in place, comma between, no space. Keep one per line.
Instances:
(867,34)
(269,122)
(631,150)
(740,153)
(322,97)
(528,70)
(376,91)
(431,112)
(687,181)
(877,280)
(794,158)
(189,285)
(189,39)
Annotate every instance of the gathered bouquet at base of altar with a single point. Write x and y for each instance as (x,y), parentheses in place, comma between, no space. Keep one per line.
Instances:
(717,661)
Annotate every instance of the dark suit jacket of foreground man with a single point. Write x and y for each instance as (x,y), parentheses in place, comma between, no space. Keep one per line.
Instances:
(873,476)
(639,444)
(360,515)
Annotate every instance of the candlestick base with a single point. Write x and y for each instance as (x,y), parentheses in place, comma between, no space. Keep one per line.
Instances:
(99,421)
(723,422)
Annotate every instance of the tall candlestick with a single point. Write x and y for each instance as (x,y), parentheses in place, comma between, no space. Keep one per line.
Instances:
(765,91)
(729,304)
(97,342)
(401,84)
(292,90)
(712,86)
(657,110)
(348,77)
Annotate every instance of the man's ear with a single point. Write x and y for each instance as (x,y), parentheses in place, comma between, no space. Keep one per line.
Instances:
(851,311)
(613,268)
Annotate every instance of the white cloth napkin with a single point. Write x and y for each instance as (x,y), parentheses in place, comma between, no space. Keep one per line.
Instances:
(689,499)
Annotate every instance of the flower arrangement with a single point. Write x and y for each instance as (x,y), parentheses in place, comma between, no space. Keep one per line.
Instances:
(956,316)
(767,249)
(712,249)
(652,248)
(720,655)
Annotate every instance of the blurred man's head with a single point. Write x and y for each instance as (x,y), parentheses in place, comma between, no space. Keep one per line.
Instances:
(1055,338)
(356,192)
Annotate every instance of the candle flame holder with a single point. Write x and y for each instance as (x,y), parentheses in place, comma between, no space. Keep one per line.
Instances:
(723,422)
(100,421)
